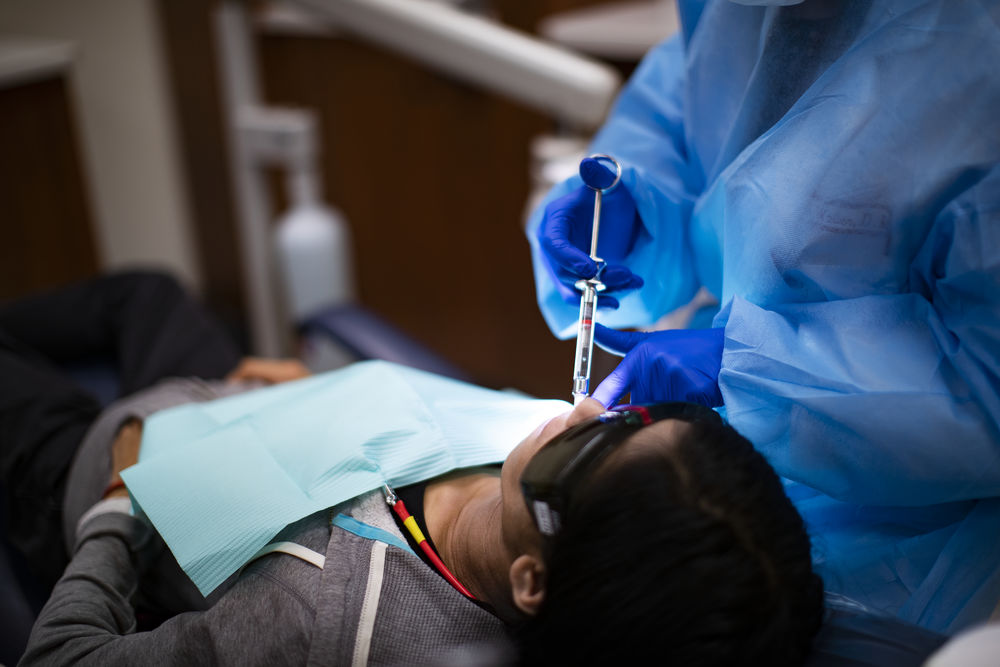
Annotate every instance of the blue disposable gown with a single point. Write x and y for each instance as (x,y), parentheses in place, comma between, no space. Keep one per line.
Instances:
(829,171)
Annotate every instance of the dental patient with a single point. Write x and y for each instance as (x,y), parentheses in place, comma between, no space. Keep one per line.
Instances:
(604,536)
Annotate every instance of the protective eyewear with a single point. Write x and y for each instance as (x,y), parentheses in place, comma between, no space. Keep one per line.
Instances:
(558,468)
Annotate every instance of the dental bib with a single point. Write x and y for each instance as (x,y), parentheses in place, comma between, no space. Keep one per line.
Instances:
(219,479)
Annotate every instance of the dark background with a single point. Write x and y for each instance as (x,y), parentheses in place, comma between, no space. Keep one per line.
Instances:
(432,176)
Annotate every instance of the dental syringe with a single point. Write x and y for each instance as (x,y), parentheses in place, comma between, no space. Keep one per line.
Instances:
(595,178)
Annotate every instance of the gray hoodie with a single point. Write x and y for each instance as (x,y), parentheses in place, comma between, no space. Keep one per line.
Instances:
(373,602)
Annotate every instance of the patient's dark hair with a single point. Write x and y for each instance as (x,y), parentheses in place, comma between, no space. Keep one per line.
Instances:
(688,552)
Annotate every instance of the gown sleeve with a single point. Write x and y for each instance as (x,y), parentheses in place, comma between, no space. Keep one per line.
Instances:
(883,399)
(645,132)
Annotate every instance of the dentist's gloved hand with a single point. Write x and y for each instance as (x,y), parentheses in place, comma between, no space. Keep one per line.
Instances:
(672,365)
(564,236)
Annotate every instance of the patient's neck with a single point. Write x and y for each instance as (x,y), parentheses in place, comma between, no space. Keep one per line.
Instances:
(463,513)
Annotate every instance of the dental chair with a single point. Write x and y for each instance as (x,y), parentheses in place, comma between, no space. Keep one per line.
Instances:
(850,637)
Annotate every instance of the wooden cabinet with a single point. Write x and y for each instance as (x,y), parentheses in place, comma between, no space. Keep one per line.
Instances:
(46,236)
(431,174)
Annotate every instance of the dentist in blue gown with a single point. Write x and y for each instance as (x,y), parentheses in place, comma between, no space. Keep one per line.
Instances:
(828,170)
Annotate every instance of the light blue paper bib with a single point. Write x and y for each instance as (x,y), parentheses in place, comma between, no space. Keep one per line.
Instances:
(218,480)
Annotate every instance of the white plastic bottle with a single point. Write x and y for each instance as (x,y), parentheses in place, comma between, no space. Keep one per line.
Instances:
(313,247)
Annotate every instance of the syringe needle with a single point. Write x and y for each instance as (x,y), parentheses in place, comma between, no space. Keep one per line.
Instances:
(584,343)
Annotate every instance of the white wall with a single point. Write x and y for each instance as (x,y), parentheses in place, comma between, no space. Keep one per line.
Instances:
(130,153)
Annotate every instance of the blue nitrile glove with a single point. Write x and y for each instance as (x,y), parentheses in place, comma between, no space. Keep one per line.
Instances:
(672,365)
(564,236)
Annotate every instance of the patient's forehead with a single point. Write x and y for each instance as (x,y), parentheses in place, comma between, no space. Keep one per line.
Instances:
(662,437)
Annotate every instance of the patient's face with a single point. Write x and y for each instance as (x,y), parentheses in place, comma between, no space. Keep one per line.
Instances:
(518,529)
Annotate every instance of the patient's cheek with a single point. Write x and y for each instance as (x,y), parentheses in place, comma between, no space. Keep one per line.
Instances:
(517,527)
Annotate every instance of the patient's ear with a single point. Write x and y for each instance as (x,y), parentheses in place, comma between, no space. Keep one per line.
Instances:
(527,583)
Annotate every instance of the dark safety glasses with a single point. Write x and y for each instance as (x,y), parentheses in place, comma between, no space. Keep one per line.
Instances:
(561,464)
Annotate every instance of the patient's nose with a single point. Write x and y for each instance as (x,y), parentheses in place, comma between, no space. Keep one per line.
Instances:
(587,408)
